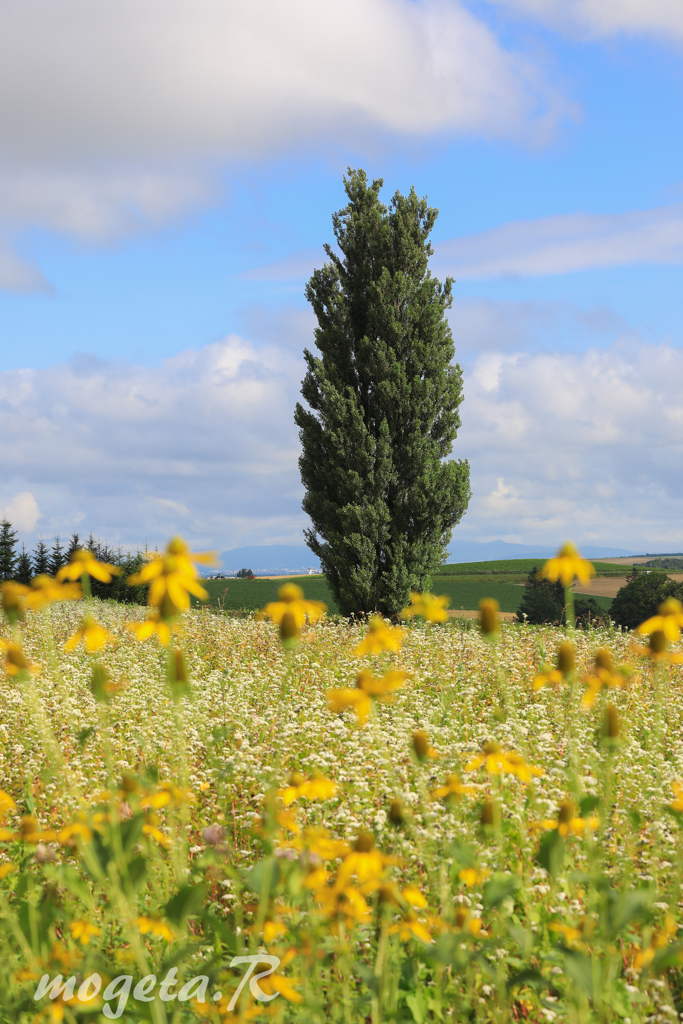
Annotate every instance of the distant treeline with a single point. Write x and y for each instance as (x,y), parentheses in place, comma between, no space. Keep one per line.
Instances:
(23,566)
(670,562)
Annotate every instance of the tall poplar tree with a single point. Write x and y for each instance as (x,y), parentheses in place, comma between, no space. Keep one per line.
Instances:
(383,399)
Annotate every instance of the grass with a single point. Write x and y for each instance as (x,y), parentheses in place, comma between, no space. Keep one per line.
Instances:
(521,567)
(148,811)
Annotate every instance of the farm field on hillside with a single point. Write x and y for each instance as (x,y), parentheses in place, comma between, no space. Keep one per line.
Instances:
(468,847)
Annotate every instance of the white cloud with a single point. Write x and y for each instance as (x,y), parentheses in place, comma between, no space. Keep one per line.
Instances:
(565,243)
(581,445)
(116,116)
(22,511)
(597,18)
(576,445)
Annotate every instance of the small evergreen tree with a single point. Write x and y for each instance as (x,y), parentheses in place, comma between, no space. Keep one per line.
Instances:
(74,545)
(24,570)
(383,402)
(542,600)
(8,550)
(41,559)
(57,558)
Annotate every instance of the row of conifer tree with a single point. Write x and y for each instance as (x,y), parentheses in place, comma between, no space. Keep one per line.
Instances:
(24,566)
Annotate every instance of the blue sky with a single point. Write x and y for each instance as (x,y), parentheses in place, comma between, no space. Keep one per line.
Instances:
(167,178)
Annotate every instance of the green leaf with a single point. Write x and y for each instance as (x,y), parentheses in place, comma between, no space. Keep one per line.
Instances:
(580,969)
(266,871)
(131,831)
(551,852)
(186,903)
(588,805)
(418,1006)
(530,977)
(499,888)
(463,854)
(136,872)
(84,735)
(635,905)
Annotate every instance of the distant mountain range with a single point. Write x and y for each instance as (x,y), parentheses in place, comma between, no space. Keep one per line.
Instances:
(272,559)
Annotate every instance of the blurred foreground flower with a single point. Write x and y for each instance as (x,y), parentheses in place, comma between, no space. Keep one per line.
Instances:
(568,822)
(292,611)
(488,618)
(84,562)
(566,566)
(668,621)
(83,931)
(45,590)
(155,927)
(564,666)
(367,687)
(428,606)
(603,674)
(379,637)
(153,625)
(500,762)
(13,596)
(93,635)
(14,661)
(658,648)
(173,577)
(452,789)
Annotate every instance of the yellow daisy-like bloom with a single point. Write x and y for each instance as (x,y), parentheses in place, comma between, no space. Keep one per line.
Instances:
(283,986)
(453,787)
(659,940)
(410,926)
(603,674)
(315,788)
(465,922)
(472,876)
(422,748)
(380,637)
(93,635)
(677,803)
(564,666)
(319,842)
(173,577)
(45,590)
(153,625)
(14,661)
(292,605)
(367,688)
(156,927)
(428,606)
(568,822)
(343,900)
(488,617)
(500,762)
(365,861)
(12,598)
(7,805)
(83,931)
(83,561)
(566,566)
(7,869)
(658,648)
(669,621)
(76,830)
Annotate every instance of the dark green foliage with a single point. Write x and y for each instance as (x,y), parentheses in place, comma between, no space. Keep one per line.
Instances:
(23,572)
(117,589)
(40,562)
(588,612)
(57,558)
(74,545)
(8,550)
(641,596)
(672,563)
(383,403)
(543,601)
(244,574)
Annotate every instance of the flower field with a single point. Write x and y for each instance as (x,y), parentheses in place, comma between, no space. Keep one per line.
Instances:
(425,822)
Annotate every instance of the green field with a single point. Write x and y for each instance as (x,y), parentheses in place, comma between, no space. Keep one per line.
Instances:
(464,590)
(520,566)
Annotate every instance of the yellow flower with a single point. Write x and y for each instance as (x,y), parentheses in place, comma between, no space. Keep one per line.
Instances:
(93,635)
(77,830)
(365,861)
(367,687)
(6,869)
(465,922)
(318,841)
(568,822)
(153,625)
(13,598)
(429,607)
(342,899)
(677,803)
(488,617)
(284,986)
(453,787)
(409,927)
(569,933)
(658,648)
(83,561)
(83,931)
(602,674)
(45,590)
(565,665)
(173,577)
(659,940)
(500,762)
(379,637)
(669,621)
(315,788)
(14,660)
(7,805)
(566,566)
(156,927)
(292,610)
(472,876)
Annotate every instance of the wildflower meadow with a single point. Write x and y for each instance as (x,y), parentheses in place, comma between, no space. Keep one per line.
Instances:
(289,817)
